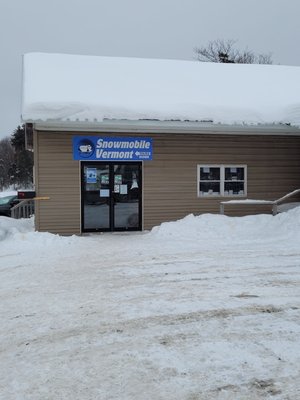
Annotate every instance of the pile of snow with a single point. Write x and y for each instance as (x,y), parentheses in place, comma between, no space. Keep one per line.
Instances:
(63,87)
(205,229)
(12,228)
(20,233)
(223,229)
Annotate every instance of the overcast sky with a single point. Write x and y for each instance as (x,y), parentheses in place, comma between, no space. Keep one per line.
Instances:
(136,28)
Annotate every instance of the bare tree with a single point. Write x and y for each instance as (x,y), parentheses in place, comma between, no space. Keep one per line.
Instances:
(225,51)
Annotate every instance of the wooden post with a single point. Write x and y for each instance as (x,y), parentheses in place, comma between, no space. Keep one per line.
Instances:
(221,208)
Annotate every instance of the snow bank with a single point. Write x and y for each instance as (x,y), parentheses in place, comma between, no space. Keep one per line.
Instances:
(206,229)
(225,229)
(19,233)
(64,87)
(11,228)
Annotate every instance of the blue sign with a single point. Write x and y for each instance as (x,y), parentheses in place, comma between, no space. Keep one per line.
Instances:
(111,148)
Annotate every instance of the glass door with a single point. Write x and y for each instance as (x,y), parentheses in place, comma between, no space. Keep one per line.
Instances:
(111,196)
(96,197)
(126,196)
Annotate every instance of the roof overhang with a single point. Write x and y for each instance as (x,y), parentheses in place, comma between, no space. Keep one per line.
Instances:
(154,126)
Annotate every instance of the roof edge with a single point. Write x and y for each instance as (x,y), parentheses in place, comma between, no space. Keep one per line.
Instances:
(155,126)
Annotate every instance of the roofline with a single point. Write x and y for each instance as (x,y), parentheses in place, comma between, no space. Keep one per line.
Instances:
(155,126)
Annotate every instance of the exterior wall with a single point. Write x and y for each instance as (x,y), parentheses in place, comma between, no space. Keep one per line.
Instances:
(273,169)
(57,175)
(170,180)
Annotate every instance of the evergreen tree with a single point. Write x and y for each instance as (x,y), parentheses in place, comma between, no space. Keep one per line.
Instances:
(22,168)
(6,162)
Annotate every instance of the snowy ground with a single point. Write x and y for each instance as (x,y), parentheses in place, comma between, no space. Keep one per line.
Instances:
(204,308)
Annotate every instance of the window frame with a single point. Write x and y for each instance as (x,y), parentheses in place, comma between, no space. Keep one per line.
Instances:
(222,180)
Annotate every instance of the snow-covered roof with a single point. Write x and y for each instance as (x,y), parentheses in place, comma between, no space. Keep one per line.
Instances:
(61,87)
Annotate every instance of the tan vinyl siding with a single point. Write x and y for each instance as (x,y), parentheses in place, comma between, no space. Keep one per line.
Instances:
(57,177)
(273,169)
(36,179)
(170,180)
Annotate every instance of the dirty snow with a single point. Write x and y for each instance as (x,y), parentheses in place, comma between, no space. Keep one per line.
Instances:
(63,87)
(207,307)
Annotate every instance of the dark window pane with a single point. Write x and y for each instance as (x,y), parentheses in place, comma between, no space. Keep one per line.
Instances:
(209,174)
(233,188)
(209,188)
(234,174)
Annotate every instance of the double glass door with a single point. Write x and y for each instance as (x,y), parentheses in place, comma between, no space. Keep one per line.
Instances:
(111,196)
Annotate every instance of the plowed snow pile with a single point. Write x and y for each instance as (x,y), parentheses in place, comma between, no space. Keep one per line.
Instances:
(207,307)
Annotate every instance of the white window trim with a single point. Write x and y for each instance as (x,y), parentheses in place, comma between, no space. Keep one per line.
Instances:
(222,180)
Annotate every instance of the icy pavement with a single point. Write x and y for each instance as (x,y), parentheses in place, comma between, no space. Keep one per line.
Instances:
(204,308)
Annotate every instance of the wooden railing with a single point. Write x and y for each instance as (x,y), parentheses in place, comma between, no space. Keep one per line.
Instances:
(287,196)
(24,209)
(273,203)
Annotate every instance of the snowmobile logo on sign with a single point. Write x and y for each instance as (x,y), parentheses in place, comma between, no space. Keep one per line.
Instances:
(111,148)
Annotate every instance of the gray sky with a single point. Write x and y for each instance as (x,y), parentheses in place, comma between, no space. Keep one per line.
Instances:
(136,28)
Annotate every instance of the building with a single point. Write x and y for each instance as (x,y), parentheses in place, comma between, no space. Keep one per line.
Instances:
(125,144)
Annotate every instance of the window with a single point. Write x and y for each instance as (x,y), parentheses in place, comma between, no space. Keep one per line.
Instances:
(222,180)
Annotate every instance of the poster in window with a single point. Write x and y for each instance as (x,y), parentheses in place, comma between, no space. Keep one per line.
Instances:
(91,175)
(118,179)
(104,179)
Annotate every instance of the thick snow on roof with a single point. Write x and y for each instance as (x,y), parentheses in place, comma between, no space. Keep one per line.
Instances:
(64,87)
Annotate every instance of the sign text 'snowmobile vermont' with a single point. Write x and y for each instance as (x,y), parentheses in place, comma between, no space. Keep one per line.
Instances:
(111,148)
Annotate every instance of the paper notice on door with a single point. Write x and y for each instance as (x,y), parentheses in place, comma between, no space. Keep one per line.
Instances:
(117,188)
(104,193)
(123,189)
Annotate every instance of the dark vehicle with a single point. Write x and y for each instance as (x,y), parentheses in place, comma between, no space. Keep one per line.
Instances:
(6,203)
